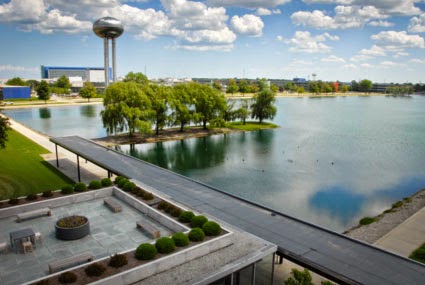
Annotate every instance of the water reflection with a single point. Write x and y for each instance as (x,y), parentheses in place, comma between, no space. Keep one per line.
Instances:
(44,113)
(89,111)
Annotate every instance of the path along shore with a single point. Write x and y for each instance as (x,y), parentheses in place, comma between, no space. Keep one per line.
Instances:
(400,231)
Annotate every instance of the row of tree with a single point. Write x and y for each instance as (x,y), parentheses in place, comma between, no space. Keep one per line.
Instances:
(136,105)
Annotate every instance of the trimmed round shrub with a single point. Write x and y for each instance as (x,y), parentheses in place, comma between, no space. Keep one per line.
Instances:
(106,182)
(145,251)
(163,205)
(118,260)
(198,221)
(211,228)
(165,245)
(176,211)
(367,221)
(13,201)
(148,196)
(95,185)
(94,269)
(67,278)
(31,197)
(186,216)
(129,186)
(118,178)
(67,189)
(121,182)
(141,192)
(180,239)
(196,234)
(80,187)
(47,193)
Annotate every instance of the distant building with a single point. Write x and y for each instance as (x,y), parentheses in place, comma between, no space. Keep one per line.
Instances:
(77,74)
(14,92)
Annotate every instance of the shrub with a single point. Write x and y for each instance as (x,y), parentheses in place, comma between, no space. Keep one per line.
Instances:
(397,204)
(165,245)
(389,211)
(67,189)
(176,211)
(145,251)
(129,186)
(13,201)
(211,228)
(367,221)
(106,182)
(140,192)
(198,221)
(94,184)
(299,278)
(80,187)
(180,239)
(67,278)
(118,260)
(94,269)
(186,216)
(407,199)
(71,221)
(32,197)
(135,191)
(163,205)
(196,234)
(148,196)
(47,193)
(43,282)
(121,182)
(118,178)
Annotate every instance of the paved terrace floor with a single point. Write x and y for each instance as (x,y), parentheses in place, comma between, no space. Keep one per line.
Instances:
(334,255)
(110,233)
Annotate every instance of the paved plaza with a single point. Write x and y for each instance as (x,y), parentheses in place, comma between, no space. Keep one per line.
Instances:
(110,233)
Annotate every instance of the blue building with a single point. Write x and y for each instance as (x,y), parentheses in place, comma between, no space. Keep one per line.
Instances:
(14,92)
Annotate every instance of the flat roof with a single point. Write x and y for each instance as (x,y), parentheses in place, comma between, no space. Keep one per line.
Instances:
(331,254)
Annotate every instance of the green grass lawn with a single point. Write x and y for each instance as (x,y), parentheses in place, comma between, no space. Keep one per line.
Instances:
(23,170)
(250,126)
(419,254)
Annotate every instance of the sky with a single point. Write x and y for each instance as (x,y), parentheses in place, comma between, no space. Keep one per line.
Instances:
(380,40)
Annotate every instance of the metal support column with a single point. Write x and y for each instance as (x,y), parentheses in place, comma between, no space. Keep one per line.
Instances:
(114,62)
(254,268)
(57,158)
(78,168)
(273,261)
(106,55)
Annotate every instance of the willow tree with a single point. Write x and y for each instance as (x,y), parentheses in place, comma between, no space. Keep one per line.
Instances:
(263,107)
(181,105)
(209,103)
(126,108)
(160,97)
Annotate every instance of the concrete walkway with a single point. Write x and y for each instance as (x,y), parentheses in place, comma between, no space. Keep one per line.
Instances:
(406,237)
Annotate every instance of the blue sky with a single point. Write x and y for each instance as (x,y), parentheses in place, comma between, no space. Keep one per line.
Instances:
(382,40)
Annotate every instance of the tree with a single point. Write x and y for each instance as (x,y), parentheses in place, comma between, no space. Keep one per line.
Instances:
(126,108)
(137,77)
(274,88)
(299,278)
(232,87)
(63,82)
(327,88)
(354,86)
(209,103)
(160,97)
(300,90)
(263,107)
(43,91)
(344,88)
(88,91)
(16,81)
(4,127)
(313,87)
(335,87)
(243,112)
(33,84)
(365,85)
(243,87)
(217,85)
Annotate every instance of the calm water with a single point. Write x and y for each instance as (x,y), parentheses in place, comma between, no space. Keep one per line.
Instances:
(332,161)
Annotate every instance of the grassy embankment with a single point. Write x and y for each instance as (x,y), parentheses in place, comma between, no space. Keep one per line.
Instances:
(250,126)
(23,170)
(419,254)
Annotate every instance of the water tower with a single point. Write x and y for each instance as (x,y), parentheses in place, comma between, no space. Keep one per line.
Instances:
(109,28)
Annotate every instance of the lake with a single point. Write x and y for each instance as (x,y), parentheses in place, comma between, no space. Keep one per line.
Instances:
(331,162)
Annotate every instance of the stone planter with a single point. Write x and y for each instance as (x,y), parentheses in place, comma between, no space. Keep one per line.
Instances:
(73,233)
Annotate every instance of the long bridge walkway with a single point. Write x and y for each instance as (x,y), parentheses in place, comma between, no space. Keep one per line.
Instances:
(328,253)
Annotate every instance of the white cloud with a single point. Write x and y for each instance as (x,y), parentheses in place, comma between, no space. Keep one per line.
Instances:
(248,3)
(247,25)
(220,37)
(366,65)
(393,40)
(350,66)
(15,68)
(23,11)
(400,54)
(267,12)
(417,60)
(303,41)
(380,23)
(373,51)
(202,48)
(388,64)
(417,24)
(333,58)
